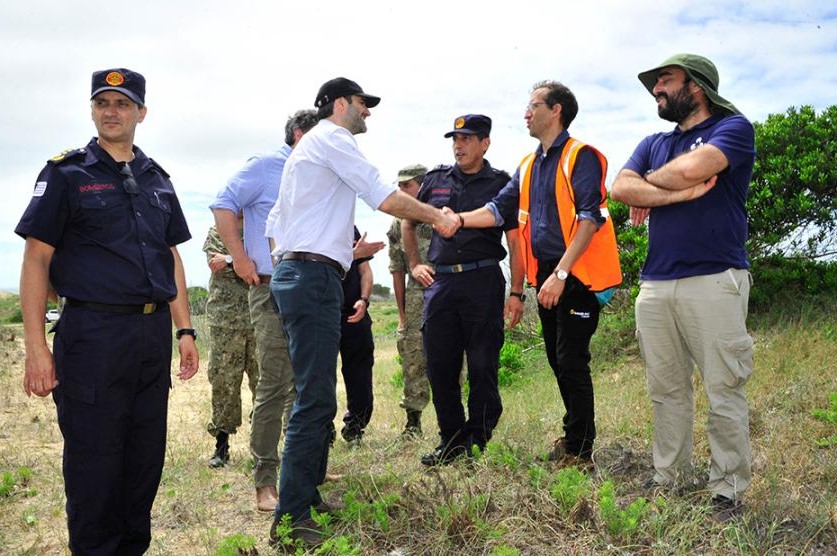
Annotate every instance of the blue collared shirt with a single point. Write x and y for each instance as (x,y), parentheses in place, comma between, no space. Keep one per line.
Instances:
(547,238)
(254,190)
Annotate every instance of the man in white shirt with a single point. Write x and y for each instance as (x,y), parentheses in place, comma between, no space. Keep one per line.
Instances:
(312,225)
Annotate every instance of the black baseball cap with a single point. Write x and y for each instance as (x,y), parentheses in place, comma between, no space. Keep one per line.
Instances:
(342,87)
(129,83)
(471,124)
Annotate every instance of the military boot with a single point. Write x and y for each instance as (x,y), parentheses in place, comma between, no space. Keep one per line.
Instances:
(413,427)
(222,450)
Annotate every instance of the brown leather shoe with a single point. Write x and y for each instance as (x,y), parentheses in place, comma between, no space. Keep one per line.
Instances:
(266,498)
(305,530)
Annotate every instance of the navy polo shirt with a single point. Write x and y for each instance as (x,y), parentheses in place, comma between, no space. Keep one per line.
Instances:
(705,235)
(547,237)
(110,246)
(448,186)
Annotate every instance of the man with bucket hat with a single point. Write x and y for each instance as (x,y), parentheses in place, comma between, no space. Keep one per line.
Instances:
(695,283)
(102,228)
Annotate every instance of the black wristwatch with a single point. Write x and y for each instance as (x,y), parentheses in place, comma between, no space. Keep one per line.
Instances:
(520,295)
(365,300)
(187,332)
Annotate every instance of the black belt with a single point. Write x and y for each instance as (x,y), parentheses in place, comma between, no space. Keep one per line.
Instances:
(464,267)
(145,309)
(313,257)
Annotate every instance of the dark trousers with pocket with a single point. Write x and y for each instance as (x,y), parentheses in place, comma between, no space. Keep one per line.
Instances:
(114,373)
(463,313)
(567,330)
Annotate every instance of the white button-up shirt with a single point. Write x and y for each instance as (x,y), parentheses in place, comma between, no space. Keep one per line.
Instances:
(323,177)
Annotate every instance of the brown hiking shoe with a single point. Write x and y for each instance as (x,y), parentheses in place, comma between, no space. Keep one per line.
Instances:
(559,450)
(305,530)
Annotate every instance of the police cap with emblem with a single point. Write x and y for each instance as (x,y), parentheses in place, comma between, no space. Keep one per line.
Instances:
(471,124)
(129,83)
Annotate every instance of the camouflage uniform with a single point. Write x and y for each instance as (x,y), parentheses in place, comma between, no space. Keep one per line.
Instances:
(232,344)
(416,386)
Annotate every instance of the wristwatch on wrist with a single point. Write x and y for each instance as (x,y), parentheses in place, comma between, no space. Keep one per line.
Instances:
(561,274)
(365,300)
(520,295)
(228,260)
(186,332)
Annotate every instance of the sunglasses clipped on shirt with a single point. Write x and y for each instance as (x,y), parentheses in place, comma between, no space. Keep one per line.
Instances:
(129,183)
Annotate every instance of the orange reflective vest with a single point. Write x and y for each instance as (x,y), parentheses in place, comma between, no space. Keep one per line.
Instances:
(598,267)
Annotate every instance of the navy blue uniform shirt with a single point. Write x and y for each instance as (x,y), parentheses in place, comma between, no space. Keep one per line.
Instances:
(547,238)
(110,246)
(449,186)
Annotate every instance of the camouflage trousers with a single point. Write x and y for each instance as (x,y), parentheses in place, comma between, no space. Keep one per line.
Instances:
(232,354)
(409,344)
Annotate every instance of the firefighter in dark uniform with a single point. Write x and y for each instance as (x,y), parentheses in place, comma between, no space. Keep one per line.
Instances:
(464,295)
(101,228)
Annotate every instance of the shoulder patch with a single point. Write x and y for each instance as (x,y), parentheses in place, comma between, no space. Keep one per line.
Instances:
(66,155)
(160,168)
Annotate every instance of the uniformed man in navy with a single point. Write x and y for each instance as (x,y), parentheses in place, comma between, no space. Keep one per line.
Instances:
(101,228)
(464,294)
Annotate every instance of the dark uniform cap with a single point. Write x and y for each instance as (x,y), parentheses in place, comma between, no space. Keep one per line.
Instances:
(342,87)
(471,124)
(411,172)
(129,83)
(700,70)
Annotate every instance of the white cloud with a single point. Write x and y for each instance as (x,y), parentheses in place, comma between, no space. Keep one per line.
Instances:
(223,77)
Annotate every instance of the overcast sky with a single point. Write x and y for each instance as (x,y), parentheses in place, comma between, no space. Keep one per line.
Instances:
(222,78)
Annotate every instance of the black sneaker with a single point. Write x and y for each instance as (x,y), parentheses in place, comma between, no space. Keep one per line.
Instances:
(444,455)
(724,509)
(352,434)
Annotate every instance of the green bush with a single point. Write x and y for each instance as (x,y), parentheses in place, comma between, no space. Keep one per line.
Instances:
(781,281)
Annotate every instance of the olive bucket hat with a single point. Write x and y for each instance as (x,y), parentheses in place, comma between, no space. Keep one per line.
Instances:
(701,70)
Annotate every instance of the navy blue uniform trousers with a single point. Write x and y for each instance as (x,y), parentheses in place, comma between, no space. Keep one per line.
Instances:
(567,330)
(463,312)
(114,373)
(357,355)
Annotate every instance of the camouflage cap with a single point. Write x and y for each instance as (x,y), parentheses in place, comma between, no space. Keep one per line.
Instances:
(411,172)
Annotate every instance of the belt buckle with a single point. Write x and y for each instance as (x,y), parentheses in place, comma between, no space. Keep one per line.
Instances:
(456,267)
(148,308)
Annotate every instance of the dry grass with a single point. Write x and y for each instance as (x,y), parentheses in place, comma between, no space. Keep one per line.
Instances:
(499,504)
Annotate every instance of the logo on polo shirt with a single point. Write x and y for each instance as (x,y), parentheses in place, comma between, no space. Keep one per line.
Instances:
(580,314)
(698,143)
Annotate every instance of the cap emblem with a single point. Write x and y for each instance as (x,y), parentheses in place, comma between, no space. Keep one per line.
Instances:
(114,79)
(459,123)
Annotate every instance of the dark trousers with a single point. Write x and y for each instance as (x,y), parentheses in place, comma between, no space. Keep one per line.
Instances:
(309,296)
(114,378)
(357,349)
(463,313)
(567,330)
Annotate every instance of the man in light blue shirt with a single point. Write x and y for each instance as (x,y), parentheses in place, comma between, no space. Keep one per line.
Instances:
(253,190)
(313,232)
